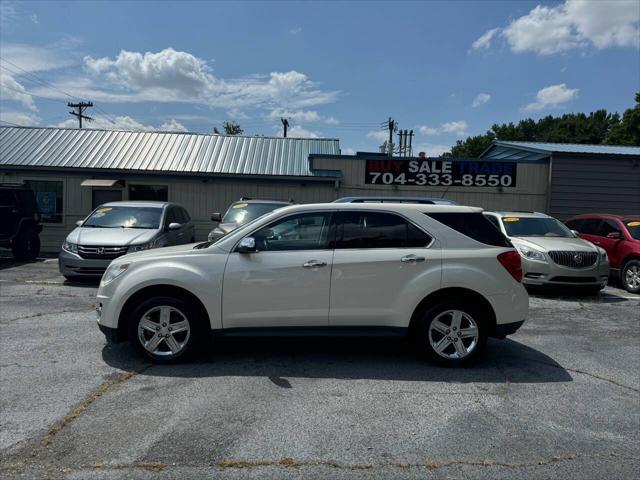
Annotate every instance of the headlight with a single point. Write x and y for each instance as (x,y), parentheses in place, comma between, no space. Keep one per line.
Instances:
(530,253)
(113,272)
(603,255)
(70,247)
(139,248)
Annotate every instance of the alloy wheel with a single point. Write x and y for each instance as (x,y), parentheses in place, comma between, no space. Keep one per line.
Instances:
(454,334)
(632,276)
(164,331)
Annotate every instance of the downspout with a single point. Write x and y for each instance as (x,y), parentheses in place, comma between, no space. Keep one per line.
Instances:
(548,212)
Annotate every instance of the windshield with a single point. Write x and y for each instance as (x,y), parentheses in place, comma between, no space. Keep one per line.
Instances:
(125,217)
(535,227)
(241,213)
(634,228)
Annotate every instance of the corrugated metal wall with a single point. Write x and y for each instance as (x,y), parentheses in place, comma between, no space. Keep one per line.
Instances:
(594,185)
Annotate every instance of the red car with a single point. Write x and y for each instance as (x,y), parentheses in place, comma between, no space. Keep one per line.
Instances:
(619,235)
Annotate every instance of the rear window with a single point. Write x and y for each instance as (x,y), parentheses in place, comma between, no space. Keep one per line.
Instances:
(473,225)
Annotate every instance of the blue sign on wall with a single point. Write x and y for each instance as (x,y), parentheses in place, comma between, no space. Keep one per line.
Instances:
(47,204)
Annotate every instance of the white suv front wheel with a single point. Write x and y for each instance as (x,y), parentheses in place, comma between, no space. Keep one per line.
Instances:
(165,329)
(450,334)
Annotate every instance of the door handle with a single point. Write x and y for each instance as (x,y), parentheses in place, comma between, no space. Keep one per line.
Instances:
(314,264)
(412,259)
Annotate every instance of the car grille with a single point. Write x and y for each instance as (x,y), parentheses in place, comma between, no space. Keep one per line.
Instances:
(574,259)
(102,253)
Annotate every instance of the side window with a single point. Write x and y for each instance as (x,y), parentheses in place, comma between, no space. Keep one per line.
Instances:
(171,216)
(607,227)
(379,230)
(7,199)
(575,224)
(185,215)
(307,231)
(473,225)
(590,226)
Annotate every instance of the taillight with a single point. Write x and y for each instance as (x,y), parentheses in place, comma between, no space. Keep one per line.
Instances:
(511,262)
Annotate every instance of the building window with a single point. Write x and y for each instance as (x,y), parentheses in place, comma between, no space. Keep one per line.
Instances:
(149,192)
(49,195)
(100,196)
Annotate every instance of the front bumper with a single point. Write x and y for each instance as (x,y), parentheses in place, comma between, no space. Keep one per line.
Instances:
(72,265)
(540,274)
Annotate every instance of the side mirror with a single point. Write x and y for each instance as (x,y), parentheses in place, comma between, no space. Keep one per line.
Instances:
(575,232)
(79,223)
(174,226)
(216,217)
(614,235)
(247,245)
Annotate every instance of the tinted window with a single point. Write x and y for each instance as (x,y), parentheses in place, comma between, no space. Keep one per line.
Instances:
(494,220)
(473,225)
(124,217)
(172,216)
(607,227)
(7,199)
(158,193)
(590,226)
(185,215)
(308,231)
(633,226)
(574,224)
(379,230)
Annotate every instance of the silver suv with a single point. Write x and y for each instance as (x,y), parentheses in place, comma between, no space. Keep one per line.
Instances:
(117,228)
(553,255)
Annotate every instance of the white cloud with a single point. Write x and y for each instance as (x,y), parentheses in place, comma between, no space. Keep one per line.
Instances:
(458,128)
(572,24)
(124,122)
(12,90)
(553,96)
(34,19)
(347,151)
(431,149)
(299,132)
(481,99)
(484,41)
(302,116)
(32,58)
(296,31)
(174,76)
(378,135)
(24,119)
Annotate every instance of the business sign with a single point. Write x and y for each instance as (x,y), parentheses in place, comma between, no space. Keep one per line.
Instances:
(441,173)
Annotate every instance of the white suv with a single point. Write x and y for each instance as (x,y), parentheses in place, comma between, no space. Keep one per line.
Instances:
(442,274)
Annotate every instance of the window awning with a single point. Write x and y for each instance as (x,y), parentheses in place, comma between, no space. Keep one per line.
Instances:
(102,182)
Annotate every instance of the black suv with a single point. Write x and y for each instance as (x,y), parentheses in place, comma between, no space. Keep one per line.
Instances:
(19,221)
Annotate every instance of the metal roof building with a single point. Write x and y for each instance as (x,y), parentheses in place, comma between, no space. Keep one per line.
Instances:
(581,178)
(168,152)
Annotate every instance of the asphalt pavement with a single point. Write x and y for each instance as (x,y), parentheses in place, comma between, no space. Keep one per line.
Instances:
(559,399)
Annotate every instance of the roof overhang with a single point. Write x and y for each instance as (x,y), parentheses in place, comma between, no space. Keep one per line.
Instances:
(102,182)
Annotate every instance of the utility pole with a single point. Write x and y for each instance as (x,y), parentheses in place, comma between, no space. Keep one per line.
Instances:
(285,125)
(81,107)
(401,133)
(410,143)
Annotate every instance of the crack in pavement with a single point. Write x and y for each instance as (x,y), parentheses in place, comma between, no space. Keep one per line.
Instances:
(73,414)
(42,314)
(589,374)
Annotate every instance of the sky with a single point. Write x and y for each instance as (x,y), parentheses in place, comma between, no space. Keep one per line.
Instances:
(446,70)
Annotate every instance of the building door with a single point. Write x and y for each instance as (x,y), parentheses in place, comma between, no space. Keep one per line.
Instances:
(100,196)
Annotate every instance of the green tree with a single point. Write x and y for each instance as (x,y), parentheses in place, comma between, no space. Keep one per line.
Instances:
(230,128)
(599,127)
(626,132)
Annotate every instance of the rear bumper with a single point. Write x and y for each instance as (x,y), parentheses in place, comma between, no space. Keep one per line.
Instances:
(73,265)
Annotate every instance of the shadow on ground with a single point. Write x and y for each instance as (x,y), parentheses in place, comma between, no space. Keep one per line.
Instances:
(347,359)
(576,294)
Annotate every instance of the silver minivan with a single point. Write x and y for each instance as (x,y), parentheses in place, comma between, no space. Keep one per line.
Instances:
(117,228)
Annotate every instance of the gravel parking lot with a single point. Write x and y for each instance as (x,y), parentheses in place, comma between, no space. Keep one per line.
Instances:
(561,398)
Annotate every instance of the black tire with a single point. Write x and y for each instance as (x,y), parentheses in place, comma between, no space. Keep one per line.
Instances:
(192,343)
(631,265)
(422,340)
(26,246)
